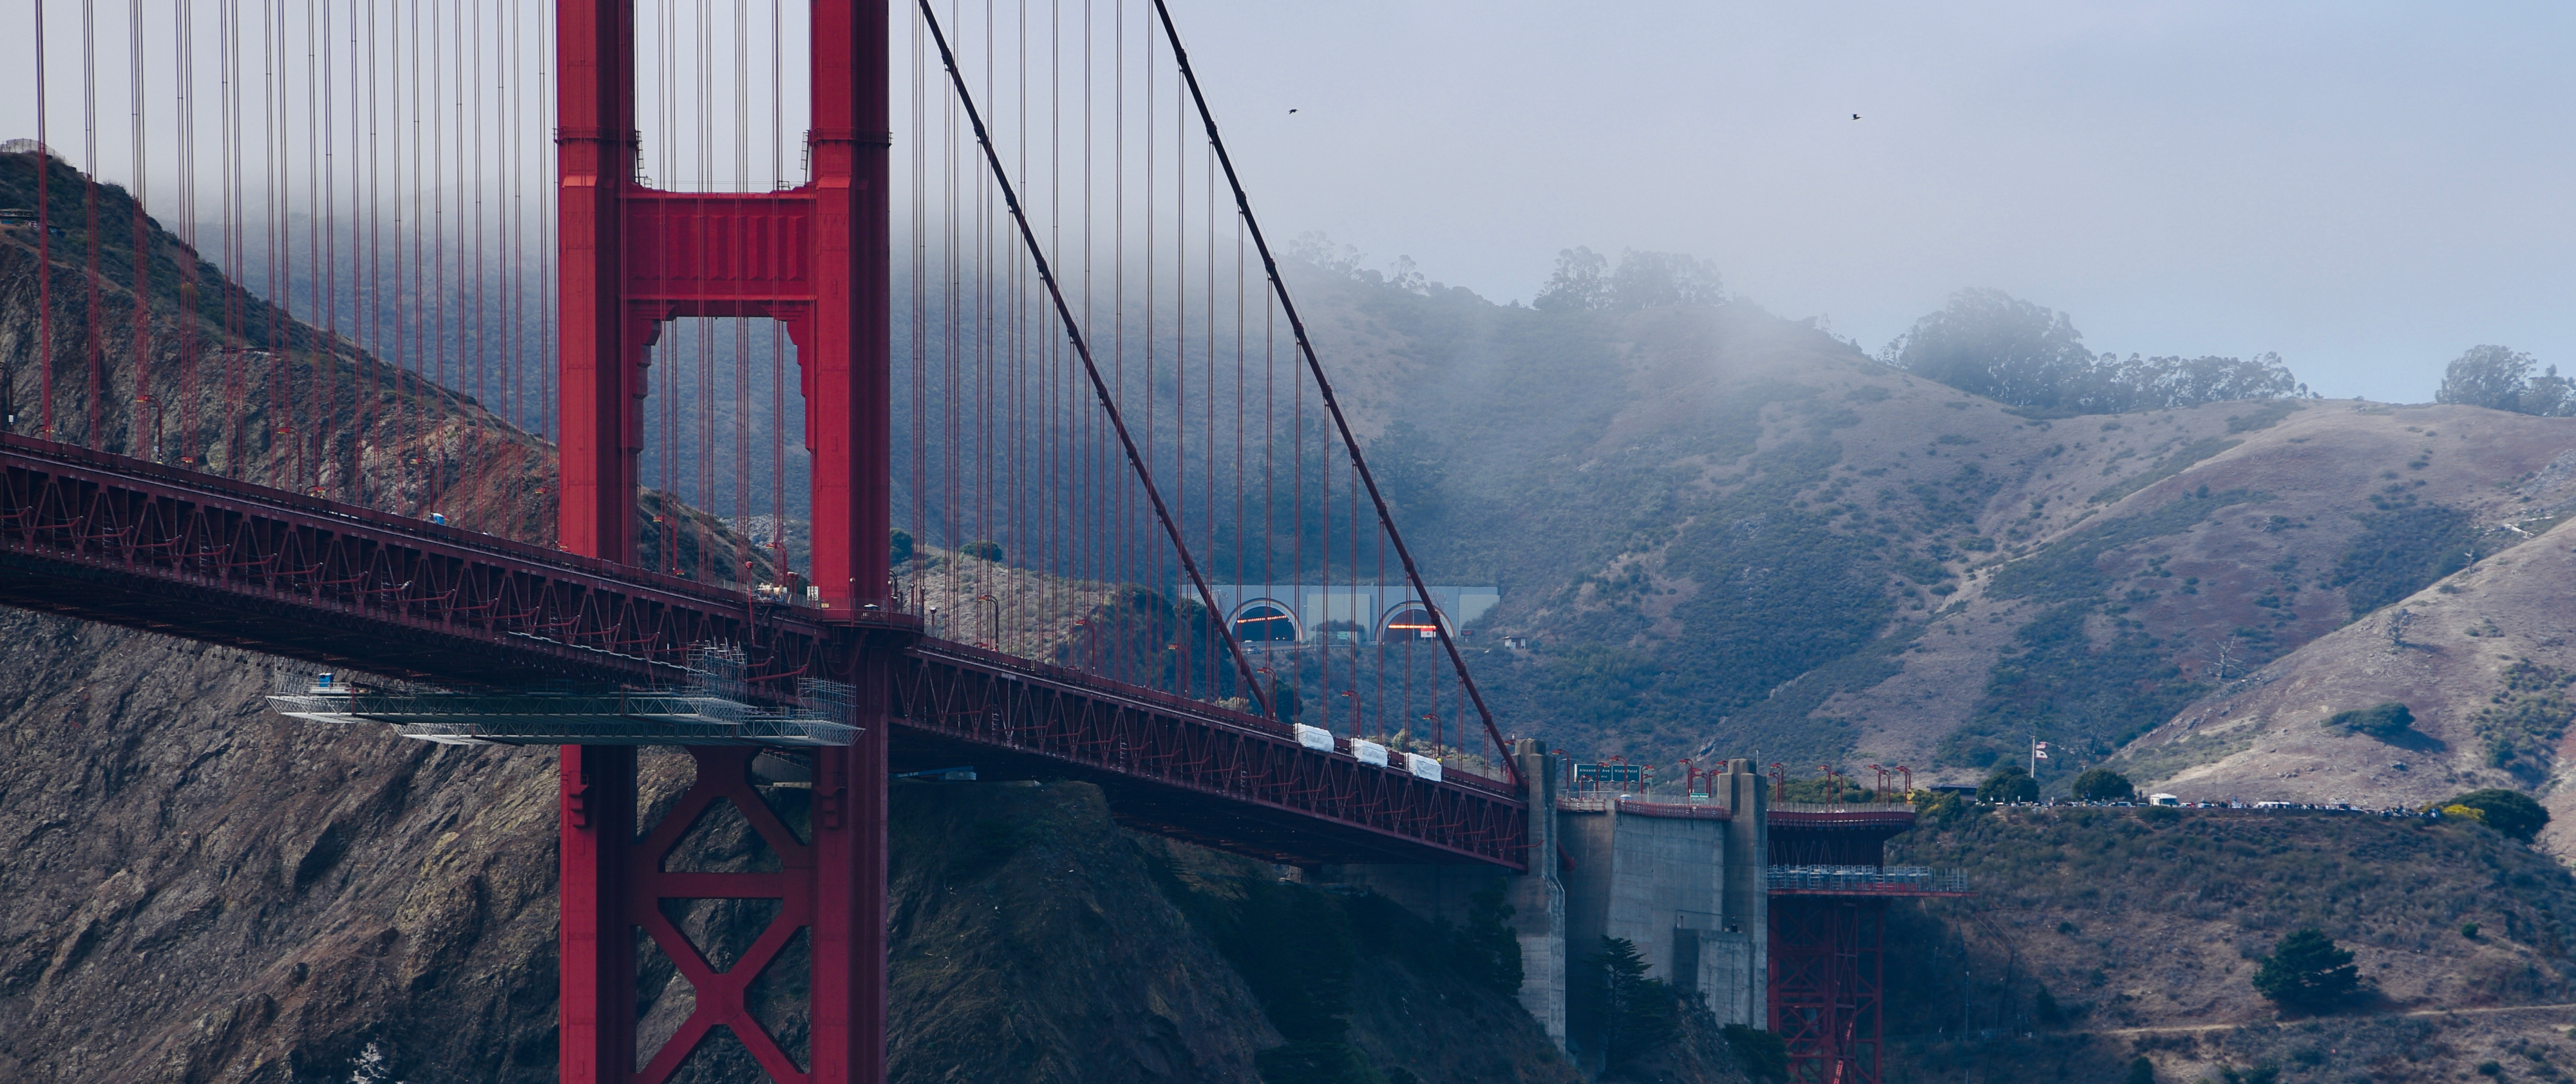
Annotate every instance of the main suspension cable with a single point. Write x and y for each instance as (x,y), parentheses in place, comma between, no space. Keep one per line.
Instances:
(1324,389)
(1082,348)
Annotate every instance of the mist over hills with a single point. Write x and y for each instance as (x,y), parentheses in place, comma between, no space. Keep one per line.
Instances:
(1727,533)
(1718,529)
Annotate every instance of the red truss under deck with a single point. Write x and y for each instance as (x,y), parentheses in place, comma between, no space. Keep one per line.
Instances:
(1161,757)
(1826,975)
(1829,888)
(108,538)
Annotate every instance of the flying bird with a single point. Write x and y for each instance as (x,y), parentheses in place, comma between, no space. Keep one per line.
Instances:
(1292,110)
(1855,116)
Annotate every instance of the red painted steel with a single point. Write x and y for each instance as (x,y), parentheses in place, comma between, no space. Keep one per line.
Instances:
(1161,758)
(814,257)
(596,1040)
(119,540)
(192,555)
(1835,837)
(720,998)
(1827,974)
(127,542)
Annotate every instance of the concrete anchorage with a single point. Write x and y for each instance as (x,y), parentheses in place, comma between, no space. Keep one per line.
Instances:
(1682,881)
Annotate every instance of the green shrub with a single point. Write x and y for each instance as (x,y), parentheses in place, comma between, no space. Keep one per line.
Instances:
(1486,949)
(899,546)
(2307,971)
(2010,784)
(1762,1054)
(2510,812)
(983,549)
(1315,1061)
(1938,807)
(2385,722)
(2525,719)
(2142,1071)
(2104,785)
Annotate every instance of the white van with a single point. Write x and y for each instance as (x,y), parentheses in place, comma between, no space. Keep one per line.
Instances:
(2163,799)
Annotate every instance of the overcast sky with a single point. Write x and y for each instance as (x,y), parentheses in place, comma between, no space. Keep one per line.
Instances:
(2367,189)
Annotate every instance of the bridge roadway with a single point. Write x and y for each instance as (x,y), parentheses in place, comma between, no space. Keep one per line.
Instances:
(123,541)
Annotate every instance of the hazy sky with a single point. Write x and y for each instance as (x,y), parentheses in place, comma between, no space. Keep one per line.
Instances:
(2365,188)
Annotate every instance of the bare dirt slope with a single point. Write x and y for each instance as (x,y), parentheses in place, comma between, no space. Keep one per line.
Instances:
(2265,737)
(1723,532)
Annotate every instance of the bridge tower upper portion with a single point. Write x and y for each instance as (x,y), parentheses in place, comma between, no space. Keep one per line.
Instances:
(815,257)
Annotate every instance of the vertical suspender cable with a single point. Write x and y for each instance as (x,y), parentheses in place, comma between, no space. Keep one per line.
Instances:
(741,326)
(1152,570)
(326,229)
(44,243)
(512,160)
(1086,526)
(1119,511)
(920,303)
(952,441)
(97,347)
(183,76)
(415,454)
(273,158)
(546,357)
(1207,454)
(139,273)
(371,273)
(474,132)
(778,333)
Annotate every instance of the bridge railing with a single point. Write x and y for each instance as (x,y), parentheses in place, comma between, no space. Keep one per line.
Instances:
(1866,880)
(1890,806)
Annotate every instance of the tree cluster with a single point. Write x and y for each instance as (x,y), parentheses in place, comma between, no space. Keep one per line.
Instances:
(1990,343)
(2510,812)
(2011,783)
(2499,378)
(1639,1015)
(1586,281)
(2307,971)
(2386,722)
(2104,785)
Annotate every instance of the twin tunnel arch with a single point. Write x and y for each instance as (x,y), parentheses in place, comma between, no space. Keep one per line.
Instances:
(1271,621)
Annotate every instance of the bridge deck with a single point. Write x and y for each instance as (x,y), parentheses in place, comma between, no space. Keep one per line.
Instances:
(112,539)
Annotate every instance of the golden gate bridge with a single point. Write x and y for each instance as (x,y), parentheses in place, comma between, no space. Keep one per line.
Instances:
(564,245)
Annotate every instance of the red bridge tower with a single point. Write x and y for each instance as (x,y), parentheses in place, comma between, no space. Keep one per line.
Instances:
(816,258)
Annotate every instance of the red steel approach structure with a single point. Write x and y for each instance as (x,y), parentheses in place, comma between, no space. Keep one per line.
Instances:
(1829,888)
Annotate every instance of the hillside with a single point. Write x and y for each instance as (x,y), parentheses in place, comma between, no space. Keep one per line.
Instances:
(1735,532)
(2144,927)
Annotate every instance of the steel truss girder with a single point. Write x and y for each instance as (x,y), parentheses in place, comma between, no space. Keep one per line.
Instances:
(1178,767)
(119,540)
(123,541)
(1827,971)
